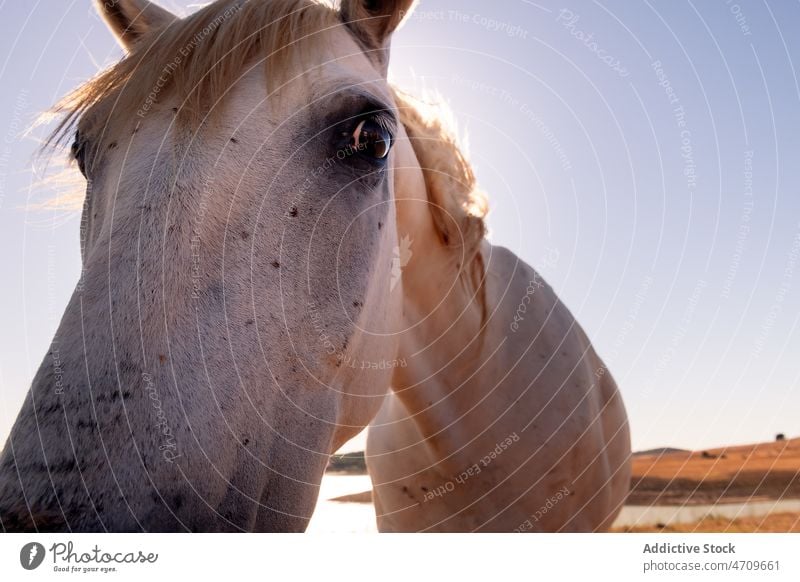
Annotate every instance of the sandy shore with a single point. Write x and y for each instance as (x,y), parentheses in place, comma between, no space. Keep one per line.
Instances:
(773,523)
(725,475)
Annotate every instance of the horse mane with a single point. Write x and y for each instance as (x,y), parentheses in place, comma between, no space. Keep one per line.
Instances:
(229,32)
(458,207)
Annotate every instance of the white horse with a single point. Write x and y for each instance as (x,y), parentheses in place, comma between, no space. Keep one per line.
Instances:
(237,245)
(240,250)
(504,418)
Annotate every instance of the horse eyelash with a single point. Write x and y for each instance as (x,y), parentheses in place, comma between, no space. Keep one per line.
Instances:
(382,117)
(386,121)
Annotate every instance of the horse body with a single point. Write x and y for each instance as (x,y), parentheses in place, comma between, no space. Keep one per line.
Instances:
(520,431)
(505,419)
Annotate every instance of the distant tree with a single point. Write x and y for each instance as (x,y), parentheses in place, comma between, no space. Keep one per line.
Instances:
(780,437)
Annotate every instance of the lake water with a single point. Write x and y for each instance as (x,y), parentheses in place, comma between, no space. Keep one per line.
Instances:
(633,515)
(336,517)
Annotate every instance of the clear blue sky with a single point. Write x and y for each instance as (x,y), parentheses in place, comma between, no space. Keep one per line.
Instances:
(644,156)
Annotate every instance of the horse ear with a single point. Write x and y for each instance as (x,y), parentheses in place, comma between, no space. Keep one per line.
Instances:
(373,22)
(130,19)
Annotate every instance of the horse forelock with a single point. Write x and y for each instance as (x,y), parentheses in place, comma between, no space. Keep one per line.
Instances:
(198,58)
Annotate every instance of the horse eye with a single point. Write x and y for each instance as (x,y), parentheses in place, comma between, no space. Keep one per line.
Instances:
(371,139)
(78,152)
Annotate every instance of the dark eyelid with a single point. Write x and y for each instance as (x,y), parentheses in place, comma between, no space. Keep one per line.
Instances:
(348,106)
(383,117)
(382,112)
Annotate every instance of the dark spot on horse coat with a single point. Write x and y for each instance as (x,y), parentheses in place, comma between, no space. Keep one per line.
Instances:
(162,358)
(249,322)
(234,140)
(380,225)
(357,304)
(409,494)
(112,145)
(245,235)
(83,424)
(50,408)
(64,466)
(127,367)
(276,264)
(113,396)
(246,442)
(293,211)
(214,290)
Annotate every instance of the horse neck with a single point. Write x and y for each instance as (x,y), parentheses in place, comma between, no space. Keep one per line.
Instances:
(443,345)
